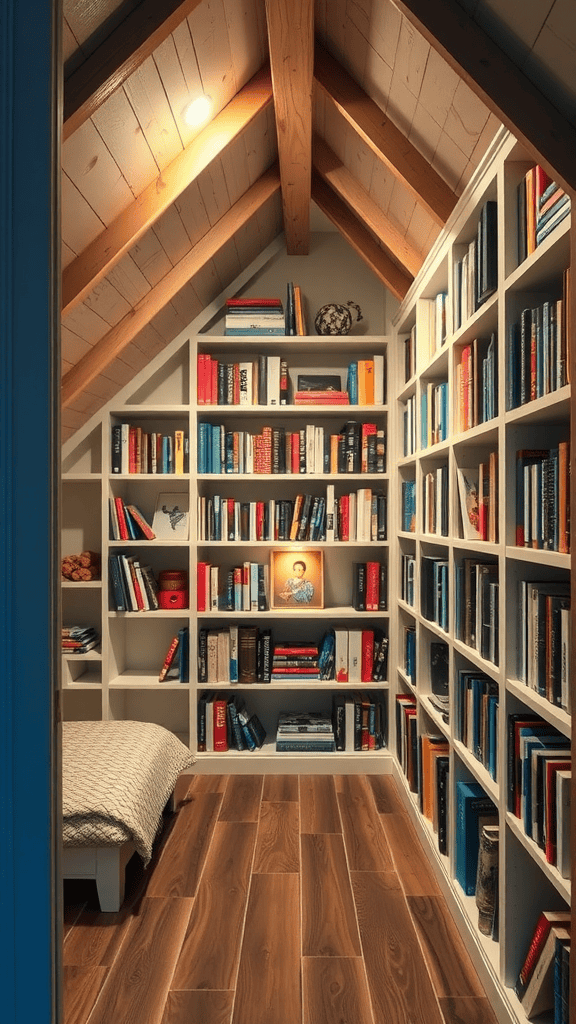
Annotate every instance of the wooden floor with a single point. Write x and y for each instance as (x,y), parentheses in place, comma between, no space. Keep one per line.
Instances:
(274,900)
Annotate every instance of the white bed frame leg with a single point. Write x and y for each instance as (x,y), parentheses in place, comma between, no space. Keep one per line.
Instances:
(110,879)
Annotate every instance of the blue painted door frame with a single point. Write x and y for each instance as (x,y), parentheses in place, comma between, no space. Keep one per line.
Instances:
(29,469)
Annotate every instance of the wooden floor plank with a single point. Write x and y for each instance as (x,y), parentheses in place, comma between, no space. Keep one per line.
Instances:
(96,938)
(398,980)
(137,984)
(242,798)
(208,784)
(386,795)
(364,837)
(209,956)
(80,988)
(280,787)
(318,804)
(408,856)
(467,1011)
(329,925)
(201,1007)
(268,990)
(335,989)
(447,958)
(277,841)
(178,870)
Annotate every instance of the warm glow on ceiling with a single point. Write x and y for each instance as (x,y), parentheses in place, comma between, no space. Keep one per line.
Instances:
(198,111)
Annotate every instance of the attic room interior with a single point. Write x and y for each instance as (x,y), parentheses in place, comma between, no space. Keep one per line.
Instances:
(351,149)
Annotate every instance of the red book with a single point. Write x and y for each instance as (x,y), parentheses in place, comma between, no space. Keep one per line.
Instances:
(551,768)
(259,520)
(367,430)
(122,525)
(367,655)
(201,378)
(372,586)
(312,651)
(220,728)
(545,921)
(293,670)
(236,384)
(141,522)
(132,450)
(213,383)
(344,506)
(202,585)
(295,453)
(253,301)
(170,655)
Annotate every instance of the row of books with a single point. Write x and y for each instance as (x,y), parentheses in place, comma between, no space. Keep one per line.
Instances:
(234,654)
(476,383)
(539,773)
(542,205)
(133,584)
(176,664)
(474,810)
(359,721)
(544,639)
(543,498)
(408,492)
(434,413)
(434,575)
(128,522)
(241,588)
(435,501)
(407,576)
(355,448)
(428,334)
(263,381)
(476,606)
(79,639)
(543,983)
(478,494)
(537,355)
(224,723)
(360,655)
(358,515)
(409,425)
(134,450)
(475,276)
(410,652)
(370,586)
(477,716)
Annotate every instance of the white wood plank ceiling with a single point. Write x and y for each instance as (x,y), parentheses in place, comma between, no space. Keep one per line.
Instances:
(343,103)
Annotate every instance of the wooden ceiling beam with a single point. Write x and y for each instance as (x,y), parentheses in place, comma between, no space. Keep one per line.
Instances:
(388,272)
(111,345)
(347,187)
(502,85)
(118,56)
(383,137)
(91,265)
(291,45)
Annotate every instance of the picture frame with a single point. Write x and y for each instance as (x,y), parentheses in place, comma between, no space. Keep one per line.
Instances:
(172,516)
(296,578)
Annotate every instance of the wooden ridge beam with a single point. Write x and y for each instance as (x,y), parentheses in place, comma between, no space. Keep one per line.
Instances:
(347,187)
(502,85)
(291,45)
(383,137)
(91,265)
(111,345)
(118,56)
(388,272)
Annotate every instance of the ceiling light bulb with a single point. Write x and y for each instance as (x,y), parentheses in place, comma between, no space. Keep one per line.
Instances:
(198,111)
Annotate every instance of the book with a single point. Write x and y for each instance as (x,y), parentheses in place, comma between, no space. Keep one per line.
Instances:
(469,494)
(169,658)
(171,516)
(473,809)
(486,895)
(539,993)
(546,920)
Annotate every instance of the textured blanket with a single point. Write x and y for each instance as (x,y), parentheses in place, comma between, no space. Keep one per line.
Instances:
(116,780)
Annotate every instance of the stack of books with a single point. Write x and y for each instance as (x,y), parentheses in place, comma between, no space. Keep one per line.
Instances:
(542,204)
(79,639)
(304,731)
(295,660)
(543,982)
(254,315)
(224,723)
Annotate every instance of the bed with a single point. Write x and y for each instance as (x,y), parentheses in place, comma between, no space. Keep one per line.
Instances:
(117,778)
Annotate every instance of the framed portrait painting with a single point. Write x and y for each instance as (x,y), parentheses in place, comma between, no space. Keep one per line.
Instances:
(296,578)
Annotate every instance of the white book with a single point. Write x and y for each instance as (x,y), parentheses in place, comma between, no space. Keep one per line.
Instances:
(253,586)
(565,659)
(246,587)
(233,631)
(379,379)
(355,656)
(252,520)
(330,503)
(210,723)
(124,448)
(341,655)
(273,380)
(563,787)
(223,656)
(352,516)
(310,448)
(271,518)
(245,372)
(349,715)
(214,584)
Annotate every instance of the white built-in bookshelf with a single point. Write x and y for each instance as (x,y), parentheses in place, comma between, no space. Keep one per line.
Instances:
(120,678)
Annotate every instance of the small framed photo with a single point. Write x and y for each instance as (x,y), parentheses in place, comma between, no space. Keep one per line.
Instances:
(172,517)
(296,578)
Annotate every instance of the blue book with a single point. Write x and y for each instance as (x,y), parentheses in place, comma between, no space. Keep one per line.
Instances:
(216,454)
(492,734)
(423,421)
(534,739)
(473,809)
(352,383)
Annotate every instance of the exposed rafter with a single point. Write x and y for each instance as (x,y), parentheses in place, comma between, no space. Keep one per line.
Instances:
(124,50)
(389,273)
(83,274)
(291,43)
(500,83)
(110,346)
(346,186)
(383,137)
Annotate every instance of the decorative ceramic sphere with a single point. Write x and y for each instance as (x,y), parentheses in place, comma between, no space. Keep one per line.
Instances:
(335,318)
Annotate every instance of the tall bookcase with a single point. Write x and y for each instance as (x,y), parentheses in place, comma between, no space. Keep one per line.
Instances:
(527,882)
(120,678)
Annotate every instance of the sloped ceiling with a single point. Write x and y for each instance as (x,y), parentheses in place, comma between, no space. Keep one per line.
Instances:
(369,109)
